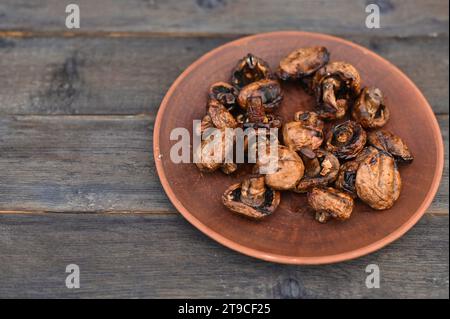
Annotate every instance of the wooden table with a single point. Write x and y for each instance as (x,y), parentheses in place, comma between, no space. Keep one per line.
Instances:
(77,178)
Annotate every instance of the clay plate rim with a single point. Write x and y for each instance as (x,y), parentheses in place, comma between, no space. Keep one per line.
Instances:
(399,232)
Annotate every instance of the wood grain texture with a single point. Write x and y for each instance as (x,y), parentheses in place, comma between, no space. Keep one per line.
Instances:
(131,75)
(95,164)
(398,17)
(163,256)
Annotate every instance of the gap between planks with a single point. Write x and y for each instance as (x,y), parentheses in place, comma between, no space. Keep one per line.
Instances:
(155,34)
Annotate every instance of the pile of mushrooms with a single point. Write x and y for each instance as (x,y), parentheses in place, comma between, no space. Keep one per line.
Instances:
(333,163)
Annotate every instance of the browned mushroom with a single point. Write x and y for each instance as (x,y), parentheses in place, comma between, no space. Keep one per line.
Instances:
(347,177)
(288,170)
(321,169)
(346,140)
(251,198)
(303,62)
(212,152)
(391,143)
(269,91)
(220,116)
(370,110)
(378,181)
(306,131)
(335,86)
(225,93)
(330,203)
(250,69)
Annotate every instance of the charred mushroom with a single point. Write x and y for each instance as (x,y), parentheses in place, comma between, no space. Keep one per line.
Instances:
(250,69)
(330,203)
(225,93)
(347,177)
(321,169)
(370,110)
(346,140)
(288,171)
(251,198)
(306,131)
(391,143)
(269,91)
(335,86)
(303,62)
(378,181)
(212,152)
(220,116)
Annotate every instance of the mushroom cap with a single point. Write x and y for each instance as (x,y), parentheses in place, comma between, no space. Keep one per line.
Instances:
(225,93)
(220,116)
(303,62)
(250,69)
(306,131)
(319,171)
(232,200)
(389,142)
(290,170)
(378,182)
(329,202)
(370,110)
(269,91)
(346,140)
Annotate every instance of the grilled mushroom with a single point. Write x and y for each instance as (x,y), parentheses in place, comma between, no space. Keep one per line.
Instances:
(251,198)
(391,143)
(212,152)
(346,140)
(306,131)
(225,93)
(347,177)
(250,69)
(330,203)
(378,181)
(370,110)
(335,86)
(303,62)
(288,172)
(220,116)
(321,169)
(269,91)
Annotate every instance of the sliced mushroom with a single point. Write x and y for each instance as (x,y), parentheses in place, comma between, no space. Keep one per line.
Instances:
(391,143)
(303,62)
(335,86)
(250,69)
(378,181)
(269,91)
(347,177)
(330,203)
(321,169)
(306,131)
(346,140)
(251,198)
(225,93)
(220,116)
(289,170)
(370,110)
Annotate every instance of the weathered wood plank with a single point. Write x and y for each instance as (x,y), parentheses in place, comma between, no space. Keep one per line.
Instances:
(131,75)
(144,256)
(398,17)
(94,164)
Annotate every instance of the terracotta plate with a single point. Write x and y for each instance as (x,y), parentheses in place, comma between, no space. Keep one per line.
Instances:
(291,235)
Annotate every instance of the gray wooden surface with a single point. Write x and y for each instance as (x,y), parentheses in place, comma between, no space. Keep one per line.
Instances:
(77,179)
